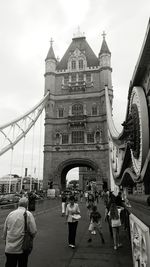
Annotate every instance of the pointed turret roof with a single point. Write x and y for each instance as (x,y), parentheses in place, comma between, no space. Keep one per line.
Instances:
(104,47)
(80,43)
(51,54)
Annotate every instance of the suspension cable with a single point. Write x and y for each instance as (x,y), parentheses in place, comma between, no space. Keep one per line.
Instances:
(40,143)
(45,98)
(22,166)
(11,163)
(32,158)
(31,117)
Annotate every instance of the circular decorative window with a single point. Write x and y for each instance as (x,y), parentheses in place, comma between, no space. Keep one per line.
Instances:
(140,133)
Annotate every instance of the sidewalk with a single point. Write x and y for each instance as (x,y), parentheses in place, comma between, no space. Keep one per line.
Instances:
(51,244)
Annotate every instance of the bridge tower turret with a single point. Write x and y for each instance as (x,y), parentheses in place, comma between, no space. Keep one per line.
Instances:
(50,68)
(105,64)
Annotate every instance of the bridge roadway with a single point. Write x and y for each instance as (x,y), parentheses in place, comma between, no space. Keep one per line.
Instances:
(51,248)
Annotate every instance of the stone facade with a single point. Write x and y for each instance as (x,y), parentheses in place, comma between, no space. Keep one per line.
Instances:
(75,115)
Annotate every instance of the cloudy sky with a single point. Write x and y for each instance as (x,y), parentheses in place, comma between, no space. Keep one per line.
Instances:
(26,27)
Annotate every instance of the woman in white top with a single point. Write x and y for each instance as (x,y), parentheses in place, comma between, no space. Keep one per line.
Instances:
(114,214)
(72,210)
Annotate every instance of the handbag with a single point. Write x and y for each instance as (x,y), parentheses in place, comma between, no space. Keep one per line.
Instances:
(76,217)
(115,222)
(27,245)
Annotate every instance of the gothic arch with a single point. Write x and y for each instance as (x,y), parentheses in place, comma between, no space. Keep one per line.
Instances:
(67,165)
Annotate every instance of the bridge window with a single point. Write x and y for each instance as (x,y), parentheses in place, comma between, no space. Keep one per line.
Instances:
(73,77)
(57,138)
(77,137)
(80,64)
(66,79)
(61,113)
(94,110)
(98,136)
(77,109)
(88,77)
(80,77)
(73,64)
(90,137)
(65,138)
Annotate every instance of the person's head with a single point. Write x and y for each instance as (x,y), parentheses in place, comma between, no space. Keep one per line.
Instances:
(112,198)
(72,199)
(94,208)
(23,202)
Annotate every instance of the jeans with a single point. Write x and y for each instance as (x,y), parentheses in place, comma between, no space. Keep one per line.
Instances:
(72,227)
(116,235)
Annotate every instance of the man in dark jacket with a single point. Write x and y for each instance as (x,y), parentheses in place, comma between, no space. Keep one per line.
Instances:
(31,199)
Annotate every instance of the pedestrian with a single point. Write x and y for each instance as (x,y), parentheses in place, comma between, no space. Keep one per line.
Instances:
(72,211)
(105,196)
(114,214)
(95,224)
(120,203)
(90,206)
(91,198)
(63,203)
(13,234)
(96,197)
(119,200)
(81,196)
(86,196)
(31,203)
(112,199)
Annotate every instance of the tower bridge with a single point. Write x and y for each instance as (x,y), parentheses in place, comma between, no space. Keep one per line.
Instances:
(76,122)
(80,131)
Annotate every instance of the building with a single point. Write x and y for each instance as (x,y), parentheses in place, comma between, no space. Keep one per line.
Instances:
(13,183)
(10,183)
(86,176)
(75,120)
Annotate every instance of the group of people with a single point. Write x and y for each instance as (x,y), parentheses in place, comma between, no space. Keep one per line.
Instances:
(14,226)
(114,205)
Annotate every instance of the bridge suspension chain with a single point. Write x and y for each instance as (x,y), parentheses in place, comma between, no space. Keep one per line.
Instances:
(11,133)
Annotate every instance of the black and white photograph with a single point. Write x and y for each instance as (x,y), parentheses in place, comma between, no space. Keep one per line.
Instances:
(74,133)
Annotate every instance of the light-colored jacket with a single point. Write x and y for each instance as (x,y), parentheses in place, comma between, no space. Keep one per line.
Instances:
(70,210)
(13,231)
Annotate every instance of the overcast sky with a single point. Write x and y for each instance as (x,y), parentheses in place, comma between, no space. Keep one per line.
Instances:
(26,27)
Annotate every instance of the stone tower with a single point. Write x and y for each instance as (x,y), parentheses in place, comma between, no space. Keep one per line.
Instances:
(75,115)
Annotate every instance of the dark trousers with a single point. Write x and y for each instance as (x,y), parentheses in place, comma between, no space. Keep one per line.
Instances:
(72,226)
(14,260)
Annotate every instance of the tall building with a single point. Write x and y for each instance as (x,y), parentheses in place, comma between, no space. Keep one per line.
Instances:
(75,115)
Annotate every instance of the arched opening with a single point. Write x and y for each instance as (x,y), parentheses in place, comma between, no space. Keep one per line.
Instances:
(87,173)
(72,179)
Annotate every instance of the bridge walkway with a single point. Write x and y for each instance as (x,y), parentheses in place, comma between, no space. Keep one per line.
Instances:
(51,248)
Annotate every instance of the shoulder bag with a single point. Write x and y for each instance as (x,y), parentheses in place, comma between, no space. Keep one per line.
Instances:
(76,217)
(27,245)
(115,222)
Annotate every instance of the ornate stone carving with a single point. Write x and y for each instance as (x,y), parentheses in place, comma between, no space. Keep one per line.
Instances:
(140,242)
